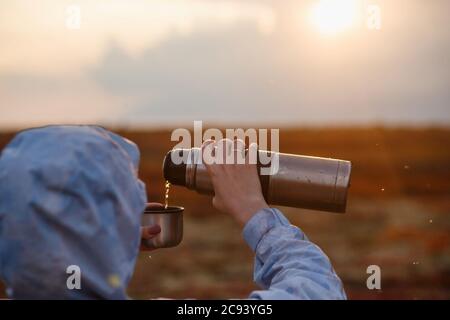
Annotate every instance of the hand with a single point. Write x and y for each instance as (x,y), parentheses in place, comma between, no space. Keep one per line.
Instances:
(236,186)
(150,232)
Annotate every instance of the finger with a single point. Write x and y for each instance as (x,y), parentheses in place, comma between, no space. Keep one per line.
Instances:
(207,142)
(208,153)
(239,151)
(252,154)
(150,231)
(154,205)
(224,152)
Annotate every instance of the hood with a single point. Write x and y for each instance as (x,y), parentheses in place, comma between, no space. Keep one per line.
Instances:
(69,196)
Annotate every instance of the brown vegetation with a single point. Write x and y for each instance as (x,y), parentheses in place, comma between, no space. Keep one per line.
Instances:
(397,218)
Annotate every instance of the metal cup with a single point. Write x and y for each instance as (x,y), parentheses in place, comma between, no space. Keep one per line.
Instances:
(170,221)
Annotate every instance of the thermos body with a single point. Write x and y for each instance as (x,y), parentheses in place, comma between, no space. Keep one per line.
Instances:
(300,181)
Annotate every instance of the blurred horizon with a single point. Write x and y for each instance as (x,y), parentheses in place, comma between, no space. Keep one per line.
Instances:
(158,64)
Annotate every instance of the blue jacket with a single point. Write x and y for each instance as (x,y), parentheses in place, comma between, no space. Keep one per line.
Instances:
(70,195)
(287,264)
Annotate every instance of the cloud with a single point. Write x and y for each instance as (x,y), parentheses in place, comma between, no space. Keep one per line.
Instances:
(239,74)
(27,100)
(33,32)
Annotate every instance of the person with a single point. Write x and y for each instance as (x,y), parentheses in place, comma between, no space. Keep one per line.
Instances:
(71,196)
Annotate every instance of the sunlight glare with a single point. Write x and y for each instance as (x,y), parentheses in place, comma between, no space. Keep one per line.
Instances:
(334,16)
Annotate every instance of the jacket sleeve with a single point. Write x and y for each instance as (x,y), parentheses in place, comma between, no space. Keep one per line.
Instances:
(287,264)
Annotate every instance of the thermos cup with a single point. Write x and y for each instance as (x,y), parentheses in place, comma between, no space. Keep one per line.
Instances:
(170,220)
(300,181)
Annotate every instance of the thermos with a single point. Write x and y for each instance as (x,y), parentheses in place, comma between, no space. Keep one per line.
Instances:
(300,181)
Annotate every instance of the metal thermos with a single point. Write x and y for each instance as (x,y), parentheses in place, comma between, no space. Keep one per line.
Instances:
(300,181)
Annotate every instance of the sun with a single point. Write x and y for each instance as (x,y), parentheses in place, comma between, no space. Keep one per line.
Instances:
(334,16)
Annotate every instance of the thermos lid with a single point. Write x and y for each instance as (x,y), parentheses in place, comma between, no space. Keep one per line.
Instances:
(342,185)
(174,173)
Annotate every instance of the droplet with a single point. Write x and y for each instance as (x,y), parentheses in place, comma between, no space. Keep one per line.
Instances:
(415,262)
(406,167)
(430,221)
(166,197)
(382,189)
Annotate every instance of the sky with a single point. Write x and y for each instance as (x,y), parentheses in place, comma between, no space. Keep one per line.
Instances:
(159,63)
